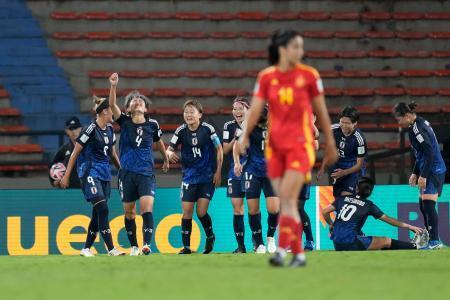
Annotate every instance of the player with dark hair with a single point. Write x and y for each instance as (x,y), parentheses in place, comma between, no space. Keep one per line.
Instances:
(292,90)
(303,197)
(255,180)
(231,130)
(72,129)
(92,153)
(137,181)
(429,169)
(352,148)
(352,213)
(201,159)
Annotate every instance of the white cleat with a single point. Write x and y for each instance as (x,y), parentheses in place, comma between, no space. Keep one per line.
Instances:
(261,249)
(135,251)
(146,250)
(115,252)
(271,247)
(86,252)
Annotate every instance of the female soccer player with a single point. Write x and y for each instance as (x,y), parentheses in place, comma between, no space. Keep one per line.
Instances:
(352,213)
(201,159)
(136,176)
(292,90)
(231,131)
(254,181)
(352,149)
(429,170)
(304,196)
(92,153)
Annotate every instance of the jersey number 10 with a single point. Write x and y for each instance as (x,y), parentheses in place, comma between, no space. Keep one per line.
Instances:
(346,212)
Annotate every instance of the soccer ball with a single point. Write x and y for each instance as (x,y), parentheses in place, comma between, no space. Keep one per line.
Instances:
(57,171)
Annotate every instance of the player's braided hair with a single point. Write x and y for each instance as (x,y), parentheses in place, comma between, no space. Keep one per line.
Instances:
(279,38)
(401,109)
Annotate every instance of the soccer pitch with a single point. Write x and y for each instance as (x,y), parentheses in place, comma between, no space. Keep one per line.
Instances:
(329,275)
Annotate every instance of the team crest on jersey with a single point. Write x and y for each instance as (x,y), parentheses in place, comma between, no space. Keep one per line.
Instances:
(299,82)
(194,141)
(342,144)
(106,140)
(274,81)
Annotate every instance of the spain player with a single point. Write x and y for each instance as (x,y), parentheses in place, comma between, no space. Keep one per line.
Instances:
(231,130)
(429,169)
(201,160)
(137,181)
(292,90)
(353,211)
(92,153)
(352,148)
(255,181)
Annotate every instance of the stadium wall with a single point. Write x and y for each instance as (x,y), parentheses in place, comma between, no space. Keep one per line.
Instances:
(42,222)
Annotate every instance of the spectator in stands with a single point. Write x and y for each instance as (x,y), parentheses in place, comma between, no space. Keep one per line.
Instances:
(72,129)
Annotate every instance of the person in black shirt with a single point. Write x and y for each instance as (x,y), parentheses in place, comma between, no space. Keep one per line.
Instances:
(72,128)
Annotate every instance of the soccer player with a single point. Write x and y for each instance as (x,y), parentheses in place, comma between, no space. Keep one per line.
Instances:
(352,213)
(429,170)
(92,153)
(201,160)
(352,149)
(72,129)
(255,180)
(303,197)
(231,131)
(292,90)
(136,176)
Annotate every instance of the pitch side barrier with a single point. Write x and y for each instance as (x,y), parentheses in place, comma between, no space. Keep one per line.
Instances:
(43,222)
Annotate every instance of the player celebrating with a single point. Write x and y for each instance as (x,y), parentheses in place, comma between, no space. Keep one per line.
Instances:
(136,176)
(429,169)
(201,159)
(254,180)
(352,213)
(231,131)
(304,196)
(352,149)
(292,90)
(92,153)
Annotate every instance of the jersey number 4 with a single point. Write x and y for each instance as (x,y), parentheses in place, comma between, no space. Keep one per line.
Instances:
(346,212)
(286,95)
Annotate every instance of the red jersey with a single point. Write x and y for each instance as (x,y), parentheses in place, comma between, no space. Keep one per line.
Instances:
(290,96)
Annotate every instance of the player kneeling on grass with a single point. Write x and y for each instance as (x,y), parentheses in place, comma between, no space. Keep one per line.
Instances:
(201,160)
(254,181)
(92,153)
(352,213)
(136,176)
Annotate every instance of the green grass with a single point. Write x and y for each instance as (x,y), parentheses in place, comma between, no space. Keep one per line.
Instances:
(329,275)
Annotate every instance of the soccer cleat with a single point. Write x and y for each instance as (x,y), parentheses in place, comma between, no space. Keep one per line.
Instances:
(86,252)
(421,240)
(298,260)
(309,246)
(185,250)
(277,259)
(240,250)
(271,247)
(135,251)
(261,249)
(115,252)
(209,244)
(433,245)
(146,250)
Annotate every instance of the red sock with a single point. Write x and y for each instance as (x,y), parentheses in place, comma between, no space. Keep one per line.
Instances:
(286,231)
(296,242)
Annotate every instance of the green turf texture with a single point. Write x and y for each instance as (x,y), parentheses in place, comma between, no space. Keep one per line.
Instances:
(328,275)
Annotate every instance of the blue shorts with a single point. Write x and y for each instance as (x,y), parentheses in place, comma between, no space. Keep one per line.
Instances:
(253,186)
(435,183)
(95,189)
(133,186)
(345,184)
(305,192)
(193,192)
(234,189)
(361,243)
